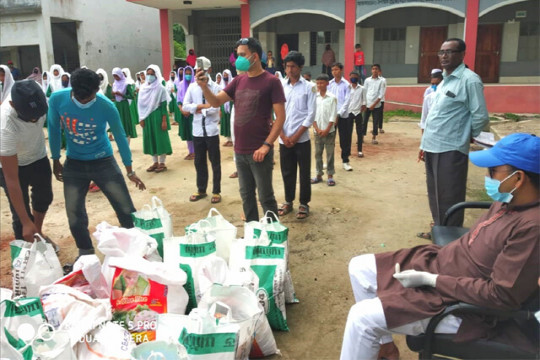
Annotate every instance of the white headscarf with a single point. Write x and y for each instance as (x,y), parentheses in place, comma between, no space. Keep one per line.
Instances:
(69,80)
(55,82)
(45,82)
(5,90)
(230,77)
(169,85)
(119,85)
(129,79)
(103,83)
(151,95)
(221,82)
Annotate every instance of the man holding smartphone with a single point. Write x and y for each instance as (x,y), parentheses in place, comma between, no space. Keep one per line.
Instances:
(255,94)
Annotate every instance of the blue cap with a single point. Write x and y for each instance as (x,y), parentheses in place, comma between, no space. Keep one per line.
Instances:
(519,150)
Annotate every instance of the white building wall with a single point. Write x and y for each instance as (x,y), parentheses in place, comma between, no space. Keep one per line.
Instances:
(110,32)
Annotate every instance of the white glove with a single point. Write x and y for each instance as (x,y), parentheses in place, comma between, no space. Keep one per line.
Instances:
(413,278)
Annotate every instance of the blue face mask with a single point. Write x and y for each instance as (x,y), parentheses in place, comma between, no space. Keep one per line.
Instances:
(354,80)
(492,189)
(84,106)
(242,63)
(187,77)
(150,78)
(434,87)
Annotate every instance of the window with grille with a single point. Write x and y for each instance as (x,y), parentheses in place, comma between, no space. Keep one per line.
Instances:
(529,42)
(217,40)
(389,46)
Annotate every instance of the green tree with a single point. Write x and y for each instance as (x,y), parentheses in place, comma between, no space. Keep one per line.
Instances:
(179,50)
(179,38)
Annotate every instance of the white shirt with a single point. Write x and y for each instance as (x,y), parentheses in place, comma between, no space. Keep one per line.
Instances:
(21,138)
(426,105)
(355,99)
(299,107)
(326,111)
(384,85)
(194,97)
(340,90)
(375,89)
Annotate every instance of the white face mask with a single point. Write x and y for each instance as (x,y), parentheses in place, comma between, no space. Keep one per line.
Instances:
(84,106)
(150,78)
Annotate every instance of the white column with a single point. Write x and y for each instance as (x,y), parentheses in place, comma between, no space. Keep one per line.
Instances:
(366,40)
(304,43)
(412,44)
(510,41)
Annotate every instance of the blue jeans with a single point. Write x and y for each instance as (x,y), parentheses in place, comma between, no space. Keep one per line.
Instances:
(107,175)
(251,175)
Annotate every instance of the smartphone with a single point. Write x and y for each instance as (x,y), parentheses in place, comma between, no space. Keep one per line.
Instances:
(200,65)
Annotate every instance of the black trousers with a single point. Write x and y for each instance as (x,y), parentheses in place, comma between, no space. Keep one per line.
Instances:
(35,177)
(446,178)
(358,120)
(291,158)
(203,146)
(345,129)
(377,120)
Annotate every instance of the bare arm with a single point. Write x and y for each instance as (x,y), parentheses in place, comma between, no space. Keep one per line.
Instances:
(279,111)
(10,168)
(215,100)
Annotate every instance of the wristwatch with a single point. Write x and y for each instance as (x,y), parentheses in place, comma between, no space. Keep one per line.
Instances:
(267,144)
(130,174)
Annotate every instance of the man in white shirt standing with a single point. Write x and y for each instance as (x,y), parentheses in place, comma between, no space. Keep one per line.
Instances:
(375,88)
(325,131)
(294,142)
(429,94)
(23,158)
(340,88)
(205,136)
(356,105)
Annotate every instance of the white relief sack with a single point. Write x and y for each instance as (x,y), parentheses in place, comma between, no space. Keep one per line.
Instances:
(155,221)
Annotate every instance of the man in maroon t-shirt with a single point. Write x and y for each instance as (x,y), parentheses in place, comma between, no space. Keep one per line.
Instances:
(255,95)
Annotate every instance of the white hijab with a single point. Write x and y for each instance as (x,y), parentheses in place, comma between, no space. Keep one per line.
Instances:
(55,82)
(5,90)
(129,79)
(45,82)
(105,82)
(151,95)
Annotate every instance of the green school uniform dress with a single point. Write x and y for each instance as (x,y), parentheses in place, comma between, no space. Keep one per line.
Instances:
(185,127)
(125,113)
(225,121)
(156,141)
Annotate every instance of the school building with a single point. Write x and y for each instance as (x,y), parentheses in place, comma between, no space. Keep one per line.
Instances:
(502,37)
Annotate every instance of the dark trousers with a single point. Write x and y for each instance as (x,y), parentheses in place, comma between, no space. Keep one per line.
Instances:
(377,119)
(358,120)
(381,122)
(107,175)
(35,177)
(328,71)
(345,129)
(291,158)
(203,146)
(256,175)
(446,178)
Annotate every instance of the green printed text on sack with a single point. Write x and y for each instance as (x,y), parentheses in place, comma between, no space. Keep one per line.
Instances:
(197,250)
(264,252)
(200,344)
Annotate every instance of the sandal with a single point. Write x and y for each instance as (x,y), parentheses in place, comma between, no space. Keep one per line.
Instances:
(216,198)
(197,196)
(316,180)
(331,182)
(285,208)
(94,188)
(234,175)
(153,167)
(424,235)
(161,168)
(303,212)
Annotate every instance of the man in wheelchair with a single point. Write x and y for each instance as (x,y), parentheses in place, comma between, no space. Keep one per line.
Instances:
(494,265)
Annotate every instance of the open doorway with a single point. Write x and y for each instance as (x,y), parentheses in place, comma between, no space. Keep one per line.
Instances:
(292,42)
(65,44)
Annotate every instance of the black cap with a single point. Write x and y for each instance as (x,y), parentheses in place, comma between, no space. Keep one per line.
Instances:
(28,100)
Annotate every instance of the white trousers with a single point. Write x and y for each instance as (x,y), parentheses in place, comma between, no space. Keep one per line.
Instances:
(366,325)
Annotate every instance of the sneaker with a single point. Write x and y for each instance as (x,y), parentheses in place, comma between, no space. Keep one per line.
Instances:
(347,167)
(381,131)
(374,142)
(360,154)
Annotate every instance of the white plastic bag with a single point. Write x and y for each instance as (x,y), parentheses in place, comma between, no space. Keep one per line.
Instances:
(278,234)
(141,290)
(223,231)
(33,265)
(109,341)
(155,221)
(71,310)
(120,242)
(159,350)
(55,345)
(20,322)
(188,253)
(87,277)
(268,262)
(6,294)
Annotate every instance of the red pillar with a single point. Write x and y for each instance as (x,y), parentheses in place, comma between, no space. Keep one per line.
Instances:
(165,42)
(471,32)
(244,20)
(350,35)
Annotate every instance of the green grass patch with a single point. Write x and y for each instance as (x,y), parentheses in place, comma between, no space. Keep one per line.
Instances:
(402,113)
(494,118)
(512,117)
(477,195)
